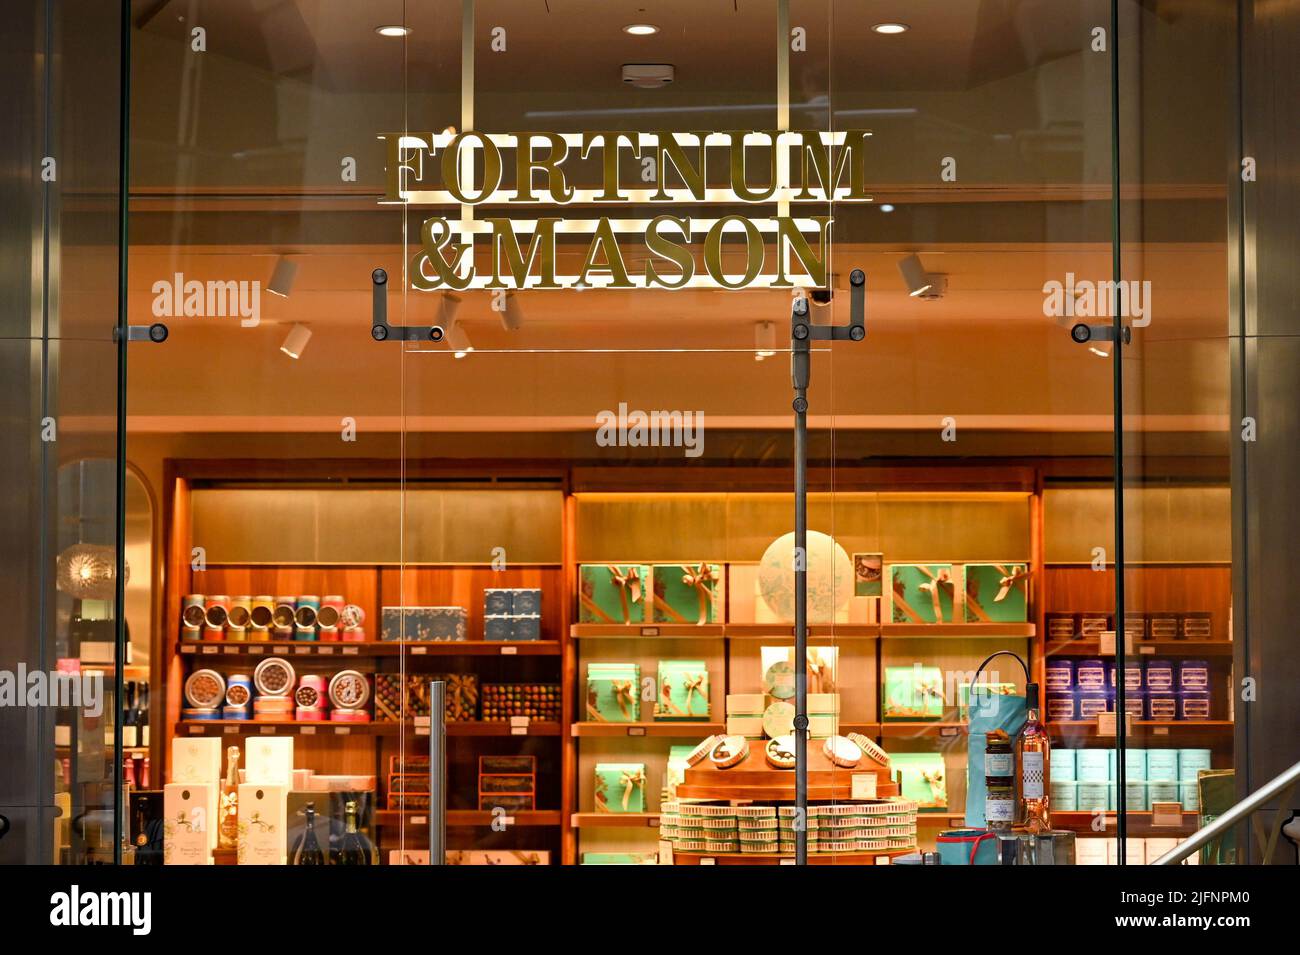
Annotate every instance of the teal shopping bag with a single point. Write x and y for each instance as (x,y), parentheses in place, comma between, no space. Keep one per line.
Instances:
(988,712)
(967,847)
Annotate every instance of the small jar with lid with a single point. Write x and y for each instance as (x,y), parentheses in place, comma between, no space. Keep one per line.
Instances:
(999,759)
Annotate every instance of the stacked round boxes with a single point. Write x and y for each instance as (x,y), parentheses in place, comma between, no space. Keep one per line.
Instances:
(757,829)
(721,836)
(690,836)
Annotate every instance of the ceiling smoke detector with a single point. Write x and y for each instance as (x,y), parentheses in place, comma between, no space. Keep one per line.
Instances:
(648,76)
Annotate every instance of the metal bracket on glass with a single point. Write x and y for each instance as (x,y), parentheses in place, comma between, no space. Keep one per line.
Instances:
(1083,333)
(157,332)
(381,331)
(802,333)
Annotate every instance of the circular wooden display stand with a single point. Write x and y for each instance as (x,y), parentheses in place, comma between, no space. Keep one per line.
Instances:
(754,780)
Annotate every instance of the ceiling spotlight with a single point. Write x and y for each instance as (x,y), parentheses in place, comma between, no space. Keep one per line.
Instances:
(886,207)
(764,340)
(295,343)
(393,30)
(457,341)
(890,29)
(281,284)
(641,29)
(920,283)
(513,315)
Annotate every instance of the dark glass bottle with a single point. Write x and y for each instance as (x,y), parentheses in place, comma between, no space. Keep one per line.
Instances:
(353,850)
(130,733)
(309,850)
(142,713)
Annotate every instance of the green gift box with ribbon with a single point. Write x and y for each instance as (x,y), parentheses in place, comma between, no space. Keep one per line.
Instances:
(613,593)
(921,593)
(688,593)
(620,787)
(913,693)
(922,778)
(683,690)
(996,593)
(614,692)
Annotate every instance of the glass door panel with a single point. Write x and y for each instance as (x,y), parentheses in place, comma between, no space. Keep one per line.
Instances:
(269,422)
(970,401)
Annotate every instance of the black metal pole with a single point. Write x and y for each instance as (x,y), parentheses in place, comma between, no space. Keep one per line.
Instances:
(800,373)
(437,773)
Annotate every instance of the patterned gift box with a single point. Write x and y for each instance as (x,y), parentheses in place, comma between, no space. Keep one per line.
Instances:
(921,593)
(612,593)
(620,787)
(687,593)
(683,690)
(913,693)
(996,593)
(922,778)
(868,575)
(614,692)
(424,624)
(396,699)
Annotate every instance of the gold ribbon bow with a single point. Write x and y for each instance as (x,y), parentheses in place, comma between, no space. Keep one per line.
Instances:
(462,695)
(627,583)
(630,781)
(934,779)
(932,587)
(694,684)
(929,688)
(1008,580)
(623,695)
(700,578)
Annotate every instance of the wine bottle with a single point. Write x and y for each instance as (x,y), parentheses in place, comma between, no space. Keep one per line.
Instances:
(228,831)
(1034,757)
(309,850)
(353,850)
(130,737)
(142,713)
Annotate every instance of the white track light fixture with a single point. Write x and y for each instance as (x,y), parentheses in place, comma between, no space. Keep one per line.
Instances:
(281,284)
(457,340)
(764,340)
(513,315)
(920,283)
(295,343)
(447,306)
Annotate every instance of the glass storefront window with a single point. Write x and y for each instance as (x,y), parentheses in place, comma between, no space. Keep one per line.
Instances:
(480,335)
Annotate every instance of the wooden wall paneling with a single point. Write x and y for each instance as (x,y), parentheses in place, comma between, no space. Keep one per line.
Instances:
(176,511)
(462,585)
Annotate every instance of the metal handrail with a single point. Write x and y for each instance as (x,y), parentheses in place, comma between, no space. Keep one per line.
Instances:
(1236,814)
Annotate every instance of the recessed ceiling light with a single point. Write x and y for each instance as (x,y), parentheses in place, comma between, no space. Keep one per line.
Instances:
(641,29)
(393,30)
(886,207)
(891,28)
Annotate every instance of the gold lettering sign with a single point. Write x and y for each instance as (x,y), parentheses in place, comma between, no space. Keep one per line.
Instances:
(792,171)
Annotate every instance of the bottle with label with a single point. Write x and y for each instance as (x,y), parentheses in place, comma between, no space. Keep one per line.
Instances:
(309,850)
(142,713)
(130,736)
(1034,757)
(999,781)
(228,831)
(353,850)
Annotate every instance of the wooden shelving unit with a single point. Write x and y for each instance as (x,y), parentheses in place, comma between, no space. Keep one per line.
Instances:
(303,648)
(568,746)
(681,729)
(466,818)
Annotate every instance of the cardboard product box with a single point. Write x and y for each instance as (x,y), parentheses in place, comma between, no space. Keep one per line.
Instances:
(995,593)
(620,787)
(263,812)
(683,690)
(197,759)
(613,593)
(424,624)
(688,593)
(189,823)
(921,593)
(614,692)
(268,761)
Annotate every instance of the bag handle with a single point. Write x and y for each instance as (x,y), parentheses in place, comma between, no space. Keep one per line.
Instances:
(976,841)
(975,681)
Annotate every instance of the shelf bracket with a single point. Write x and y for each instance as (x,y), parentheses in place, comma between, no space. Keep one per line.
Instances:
(802,333)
